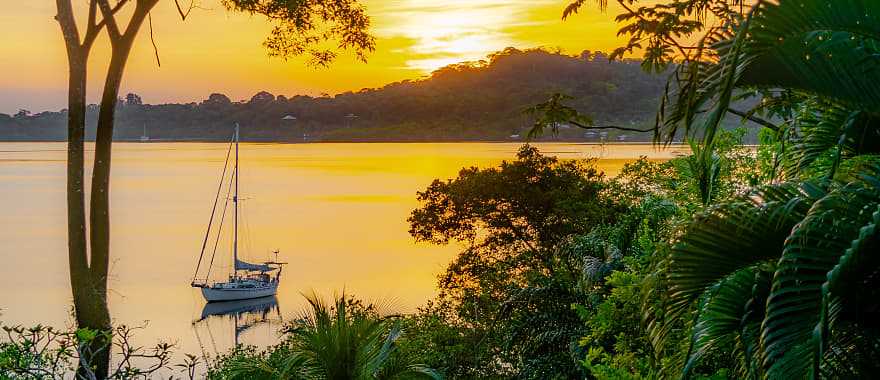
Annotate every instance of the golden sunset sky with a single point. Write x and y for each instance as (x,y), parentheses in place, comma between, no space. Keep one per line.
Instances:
(218,51)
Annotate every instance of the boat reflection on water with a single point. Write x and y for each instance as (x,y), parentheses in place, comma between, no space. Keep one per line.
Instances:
(242,315)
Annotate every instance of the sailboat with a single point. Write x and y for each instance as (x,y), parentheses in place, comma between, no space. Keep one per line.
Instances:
(247,280)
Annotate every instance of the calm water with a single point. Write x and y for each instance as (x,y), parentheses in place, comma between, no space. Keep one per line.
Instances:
(337,212)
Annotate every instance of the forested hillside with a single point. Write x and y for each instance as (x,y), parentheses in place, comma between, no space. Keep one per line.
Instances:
(467,101)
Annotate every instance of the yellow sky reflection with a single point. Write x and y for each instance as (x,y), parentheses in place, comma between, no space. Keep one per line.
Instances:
(215,51)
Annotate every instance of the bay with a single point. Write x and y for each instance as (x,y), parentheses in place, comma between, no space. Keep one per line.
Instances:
(336,212)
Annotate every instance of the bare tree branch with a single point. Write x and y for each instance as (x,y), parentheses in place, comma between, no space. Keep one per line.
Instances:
(68,24)
(115,9)
(94,28)
(109,18)
(754,119)
(93,11)
(153,40)
(189,9)
(584,126)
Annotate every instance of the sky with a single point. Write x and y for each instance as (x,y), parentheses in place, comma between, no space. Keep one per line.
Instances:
(218,51)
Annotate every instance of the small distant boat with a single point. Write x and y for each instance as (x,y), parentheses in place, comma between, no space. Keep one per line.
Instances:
(145,137)
(247,280)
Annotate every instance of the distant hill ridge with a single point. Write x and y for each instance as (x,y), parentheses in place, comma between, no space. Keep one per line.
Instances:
(468,101)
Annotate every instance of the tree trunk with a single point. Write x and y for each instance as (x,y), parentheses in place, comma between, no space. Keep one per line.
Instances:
(89,296)
(90,306)
(99,213)
(99,216)
(88,273)
(76,229)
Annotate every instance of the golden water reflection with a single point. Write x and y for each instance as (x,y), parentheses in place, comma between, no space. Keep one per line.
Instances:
(337,212)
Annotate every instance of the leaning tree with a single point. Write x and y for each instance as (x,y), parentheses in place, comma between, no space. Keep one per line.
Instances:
(316,28)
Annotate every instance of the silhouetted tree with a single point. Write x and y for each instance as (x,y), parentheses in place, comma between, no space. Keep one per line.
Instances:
(218,99)
(133,100)
(262,97)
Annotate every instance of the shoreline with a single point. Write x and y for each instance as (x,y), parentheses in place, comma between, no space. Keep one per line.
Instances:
(361,141)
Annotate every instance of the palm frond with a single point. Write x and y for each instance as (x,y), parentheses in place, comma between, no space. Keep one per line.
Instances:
(814,247)
(726,318)
(816,46)
(725,239)
(859,262)
(827,129)
(822,47)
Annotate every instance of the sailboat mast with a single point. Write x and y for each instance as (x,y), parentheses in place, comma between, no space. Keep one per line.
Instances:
(235,202)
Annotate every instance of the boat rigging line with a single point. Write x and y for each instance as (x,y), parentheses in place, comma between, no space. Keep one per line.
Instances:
(213,210)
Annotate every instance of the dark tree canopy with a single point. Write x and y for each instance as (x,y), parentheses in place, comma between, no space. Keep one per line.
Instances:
(514,279)
(262,97)
(133,100)
(536,201)
(306,26)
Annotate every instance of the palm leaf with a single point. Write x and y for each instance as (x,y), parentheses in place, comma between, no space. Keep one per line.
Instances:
(725,239)
(727,318)
(843,281)
(812,250)
(823,47)
(820,47)
(827,129)
(820,125)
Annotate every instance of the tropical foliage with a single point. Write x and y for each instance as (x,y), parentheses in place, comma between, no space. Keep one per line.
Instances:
(771,275)
(510,290)
(779,276)
(549,282)
(778,281)
(343,340)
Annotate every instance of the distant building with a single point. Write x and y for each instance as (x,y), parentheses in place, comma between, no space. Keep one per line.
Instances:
(349,118)
(559,125)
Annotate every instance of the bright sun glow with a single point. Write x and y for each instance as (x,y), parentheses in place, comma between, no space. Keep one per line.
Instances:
(219,51)
(454,31)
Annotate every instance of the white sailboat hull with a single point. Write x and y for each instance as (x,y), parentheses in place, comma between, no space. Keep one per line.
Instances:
(214,294)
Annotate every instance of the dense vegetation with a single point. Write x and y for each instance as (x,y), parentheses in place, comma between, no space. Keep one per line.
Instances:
(474,100)
(731,262)
(550,283)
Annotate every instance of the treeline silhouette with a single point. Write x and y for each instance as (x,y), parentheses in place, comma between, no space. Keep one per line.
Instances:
(467,101)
